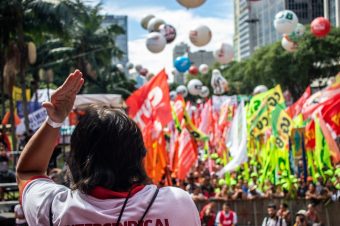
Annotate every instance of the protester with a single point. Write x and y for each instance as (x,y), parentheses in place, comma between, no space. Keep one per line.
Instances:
(301,218)
(207,214)
(284,213)
(312,215)
(273,219)
(226,217)
(109,184)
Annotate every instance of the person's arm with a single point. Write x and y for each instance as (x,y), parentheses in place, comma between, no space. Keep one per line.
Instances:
(36,155)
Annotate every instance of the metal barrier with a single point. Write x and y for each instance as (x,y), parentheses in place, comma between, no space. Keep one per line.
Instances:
(252,212)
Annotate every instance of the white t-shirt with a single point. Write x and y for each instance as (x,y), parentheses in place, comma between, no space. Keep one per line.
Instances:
(172,207)
(18,210)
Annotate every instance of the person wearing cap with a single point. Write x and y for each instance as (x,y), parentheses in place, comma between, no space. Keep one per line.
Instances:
(273,219)
(254,193)
(301,218)
(109,185)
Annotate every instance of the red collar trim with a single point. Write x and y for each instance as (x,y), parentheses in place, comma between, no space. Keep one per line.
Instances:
(104,193)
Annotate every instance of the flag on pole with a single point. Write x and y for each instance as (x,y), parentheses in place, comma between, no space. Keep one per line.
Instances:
(187,154)
(151,102)
(295,109)
(238,141)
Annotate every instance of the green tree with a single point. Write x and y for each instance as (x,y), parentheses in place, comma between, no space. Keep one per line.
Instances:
(271,65)
(18,20)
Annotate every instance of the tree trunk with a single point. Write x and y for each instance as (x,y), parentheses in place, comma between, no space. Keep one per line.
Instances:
(23,60)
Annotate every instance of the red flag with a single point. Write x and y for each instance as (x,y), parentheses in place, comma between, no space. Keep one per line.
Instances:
(333,147)
(179,107)
(187,154)
(310,135)
(296,108)
(319,99)
(331,114)
(151,102)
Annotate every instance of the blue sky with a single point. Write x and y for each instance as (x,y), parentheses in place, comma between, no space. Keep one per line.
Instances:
(216,14)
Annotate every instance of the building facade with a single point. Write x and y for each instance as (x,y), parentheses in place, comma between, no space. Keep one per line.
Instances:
(332,11)
(120,40)
(258,29)
(244,26)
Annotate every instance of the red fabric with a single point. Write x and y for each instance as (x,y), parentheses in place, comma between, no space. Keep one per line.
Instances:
(151,102)
(331,114)
(179,107)
(104,193)
(187,154)
(320,99)
(295,109)
(310,135)
(226,220)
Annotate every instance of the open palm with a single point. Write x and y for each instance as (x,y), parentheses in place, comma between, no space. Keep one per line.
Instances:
(63,98)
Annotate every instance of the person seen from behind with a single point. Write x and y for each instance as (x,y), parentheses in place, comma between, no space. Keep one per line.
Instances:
(109,185)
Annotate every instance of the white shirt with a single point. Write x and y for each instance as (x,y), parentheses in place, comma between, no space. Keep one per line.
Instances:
(273,222)
(172,207)
(18,210)
(217,219)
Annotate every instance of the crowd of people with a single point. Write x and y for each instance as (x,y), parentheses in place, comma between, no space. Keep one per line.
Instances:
(203,185)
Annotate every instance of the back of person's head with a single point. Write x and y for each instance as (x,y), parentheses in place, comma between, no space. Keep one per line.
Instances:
(107,150)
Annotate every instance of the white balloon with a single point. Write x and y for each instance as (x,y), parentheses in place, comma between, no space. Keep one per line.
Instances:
(145,21)
(204,92)
(297,33)
(138,67)
(200,35)
(285,21)
(194,87)
(32,52)
(120,67)
(191,3)
(224,54)
(173,95)
(154,24)
(260,89)
(288,44)
(203,68)
(155,42)
(218,82)
(182,90)
(129,65)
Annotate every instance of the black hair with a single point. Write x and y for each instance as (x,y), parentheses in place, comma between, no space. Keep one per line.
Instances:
(107,150)
(271,205)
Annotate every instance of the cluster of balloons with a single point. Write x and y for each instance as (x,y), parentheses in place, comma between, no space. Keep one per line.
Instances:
(160,33)
(287,23)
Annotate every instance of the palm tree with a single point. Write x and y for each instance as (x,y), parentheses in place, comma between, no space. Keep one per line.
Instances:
(20,19)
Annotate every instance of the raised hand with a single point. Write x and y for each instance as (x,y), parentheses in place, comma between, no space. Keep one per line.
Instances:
(63,98)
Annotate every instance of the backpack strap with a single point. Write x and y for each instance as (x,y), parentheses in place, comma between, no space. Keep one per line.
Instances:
(50,216)
(123,208)
(149,206)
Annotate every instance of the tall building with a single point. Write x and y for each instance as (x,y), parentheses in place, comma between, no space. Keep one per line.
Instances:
(120,40)
(332,11)
(258,29)
(243,29)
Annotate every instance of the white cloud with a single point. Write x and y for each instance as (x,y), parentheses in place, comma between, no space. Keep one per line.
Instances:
(183,20)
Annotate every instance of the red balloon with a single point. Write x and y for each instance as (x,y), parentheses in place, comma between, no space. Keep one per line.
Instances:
(320,27)
(193,70)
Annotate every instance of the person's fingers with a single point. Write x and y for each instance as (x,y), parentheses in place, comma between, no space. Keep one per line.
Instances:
(80,84)
(48,106)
